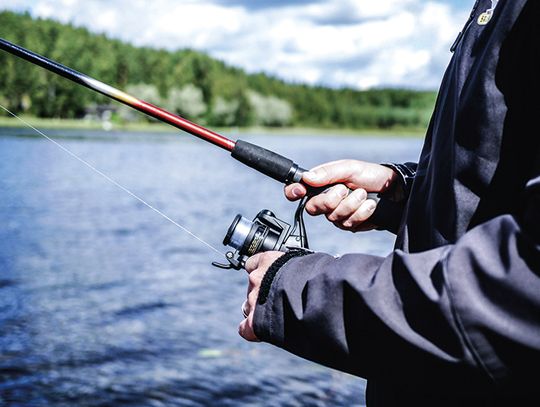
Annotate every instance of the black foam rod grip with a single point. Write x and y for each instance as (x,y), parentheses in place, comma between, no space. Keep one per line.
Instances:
(275,166)
(267,162)
(278,167)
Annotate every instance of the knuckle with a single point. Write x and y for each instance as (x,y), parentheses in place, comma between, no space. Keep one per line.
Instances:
(254,279)
(251,263)
(364,212)
(332,217)
(252,299)
(369,206)
(323,171)
(348,206)
(342,211)
(310,208)
(315,206)
(347,224)
(340,190)
(328,205)
(312,211)
(360,195)
(331,201)
(345,209)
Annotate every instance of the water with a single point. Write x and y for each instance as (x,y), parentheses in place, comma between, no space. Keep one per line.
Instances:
(103,302)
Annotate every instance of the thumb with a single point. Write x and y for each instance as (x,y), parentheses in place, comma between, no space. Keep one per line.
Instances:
(317,177)
(330,173)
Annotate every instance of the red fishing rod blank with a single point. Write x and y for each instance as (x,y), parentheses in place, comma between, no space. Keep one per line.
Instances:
(265,161)
(107,90)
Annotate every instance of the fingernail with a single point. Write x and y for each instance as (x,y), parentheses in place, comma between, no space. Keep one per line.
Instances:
(297,192)
(339,191)
(343,192)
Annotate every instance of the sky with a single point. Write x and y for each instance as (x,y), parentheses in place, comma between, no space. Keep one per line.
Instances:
(338,43)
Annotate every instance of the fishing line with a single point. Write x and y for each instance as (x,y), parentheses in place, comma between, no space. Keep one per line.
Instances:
(120,186)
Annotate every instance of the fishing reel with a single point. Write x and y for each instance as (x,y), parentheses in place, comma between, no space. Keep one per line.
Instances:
(264,233)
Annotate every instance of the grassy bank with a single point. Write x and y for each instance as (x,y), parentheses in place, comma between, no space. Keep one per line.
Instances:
(71,124)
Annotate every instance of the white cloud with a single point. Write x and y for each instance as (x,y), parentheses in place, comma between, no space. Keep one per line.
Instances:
(359,43)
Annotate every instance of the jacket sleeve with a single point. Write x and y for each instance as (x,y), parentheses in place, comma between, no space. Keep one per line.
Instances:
(473,306)
(389,211)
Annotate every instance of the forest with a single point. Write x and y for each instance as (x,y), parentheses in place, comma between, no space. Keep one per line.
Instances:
(185,81)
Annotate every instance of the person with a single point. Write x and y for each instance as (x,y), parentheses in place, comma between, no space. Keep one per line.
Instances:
(452,315)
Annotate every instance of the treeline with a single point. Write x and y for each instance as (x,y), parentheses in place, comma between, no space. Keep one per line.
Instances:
(187,82)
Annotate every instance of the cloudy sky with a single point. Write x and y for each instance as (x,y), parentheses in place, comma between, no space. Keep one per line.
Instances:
(357,43)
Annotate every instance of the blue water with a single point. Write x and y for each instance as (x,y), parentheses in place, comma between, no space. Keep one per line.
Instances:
(103,302)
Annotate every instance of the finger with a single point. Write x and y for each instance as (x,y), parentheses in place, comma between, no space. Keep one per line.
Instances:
(361,215)
(245,308)
(328,201)
(253,262)
(331,173)
(249,304)
(245,329)
(252,300)
(256,276)
(348,206)
(295,191)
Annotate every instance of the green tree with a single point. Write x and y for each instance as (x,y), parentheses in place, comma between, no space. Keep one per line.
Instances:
(191,82)
(187,101)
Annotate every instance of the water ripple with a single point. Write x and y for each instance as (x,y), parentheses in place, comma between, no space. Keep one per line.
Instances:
(141,308)
(103,303)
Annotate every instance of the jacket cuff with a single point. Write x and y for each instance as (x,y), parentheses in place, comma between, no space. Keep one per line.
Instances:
(269,312)
(268,278)
(406,173)
(389,210)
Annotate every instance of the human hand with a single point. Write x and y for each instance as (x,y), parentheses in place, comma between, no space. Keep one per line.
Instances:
(346,210)
(256,267)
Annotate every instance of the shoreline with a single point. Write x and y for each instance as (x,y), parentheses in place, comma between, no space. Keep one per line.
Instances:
(82,124)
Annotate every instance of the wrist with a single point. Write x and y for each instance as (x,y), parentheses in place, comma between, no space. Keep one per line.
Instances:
(401,180)
(391,176)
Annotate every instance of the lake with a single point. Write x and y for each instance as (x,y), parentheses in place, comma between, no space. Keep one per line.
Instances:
(103,302)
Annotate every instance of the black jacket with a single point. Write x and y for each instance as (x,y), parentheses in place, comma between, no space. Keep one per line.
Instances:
(452,316)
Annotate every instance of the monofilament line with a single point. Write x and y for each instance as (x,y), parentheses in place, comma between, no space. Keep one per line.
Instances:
(123,188)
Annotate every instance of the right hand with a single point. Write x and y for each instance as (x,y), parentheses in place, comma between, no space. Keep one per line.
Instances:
(348,211)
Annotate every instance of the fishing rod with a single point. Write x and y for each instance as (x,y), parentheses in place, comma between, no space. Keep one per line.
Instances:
(265,232)
(265,161)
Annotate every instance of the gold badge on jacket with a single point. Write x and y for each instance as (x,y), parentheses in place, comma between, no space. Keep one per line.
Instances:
(485,17)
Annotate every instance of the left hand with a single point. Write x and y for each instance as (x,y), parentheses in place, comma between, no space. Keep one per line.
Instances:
(256,267)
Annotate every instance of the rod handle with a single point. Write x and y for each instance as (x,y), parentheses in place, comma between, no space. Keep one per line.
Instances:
(281,168)
(276,166)
(267,162)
